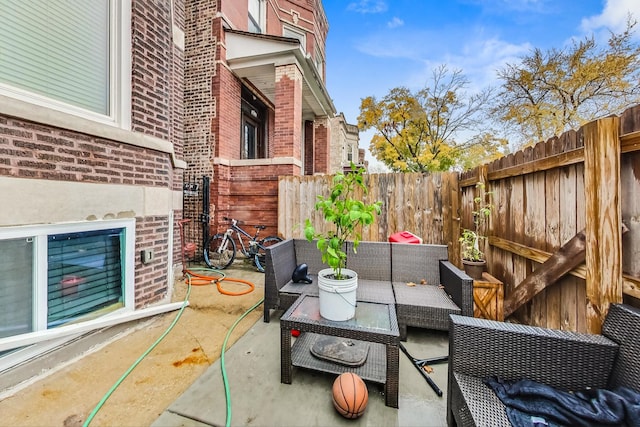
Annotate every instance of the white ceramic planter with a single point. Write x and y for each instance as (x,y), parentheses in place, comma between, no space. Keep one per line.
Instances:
(337,297)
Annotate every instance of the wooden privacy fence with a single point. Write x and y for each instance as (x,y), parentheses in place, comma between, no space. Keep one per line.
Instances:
(543,196)
(421,204)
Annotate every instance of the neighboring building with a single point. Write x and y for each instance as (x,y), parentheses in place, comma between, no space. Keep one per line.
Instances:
(103,111)
(256,103)
(344,145)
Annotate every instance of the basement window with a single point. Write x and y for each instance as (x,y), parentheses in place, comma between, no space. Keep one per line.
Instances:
(61,274)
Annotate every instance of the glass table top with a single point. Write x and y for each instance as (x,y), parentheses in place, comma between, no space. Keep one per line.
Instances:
(368,315)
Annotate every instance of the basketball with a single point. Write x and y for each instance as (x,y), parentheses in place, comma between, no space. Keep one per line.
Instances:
(350,395)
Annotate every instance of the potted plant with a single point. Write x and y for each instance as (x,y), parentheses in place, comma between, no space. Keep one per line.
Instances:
(337,284)
(473,258)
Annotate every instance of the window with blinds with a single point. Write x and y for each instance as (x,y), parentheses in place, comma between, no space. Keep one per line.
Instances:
(55,275)
(59,50)
(85,273)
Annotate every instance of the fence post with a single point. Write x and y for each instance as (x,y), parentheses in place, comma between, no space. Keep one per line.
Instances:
(603,219)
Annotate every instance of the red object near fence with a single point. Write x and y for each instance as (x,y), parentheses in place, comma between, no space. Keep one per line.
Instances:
(405,237)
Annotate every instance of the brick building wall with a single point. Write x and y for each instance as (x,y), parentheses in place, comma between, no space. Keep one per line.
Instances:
(200,71)
(105,173)
(30,150)
(246,189)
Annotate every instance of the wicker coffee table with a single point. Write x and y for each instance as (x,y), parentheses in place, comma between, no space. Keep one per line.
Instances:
(374,323)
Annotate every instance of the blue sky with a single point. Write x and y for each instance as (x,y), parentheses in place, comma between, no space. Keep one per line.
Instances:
(376,45)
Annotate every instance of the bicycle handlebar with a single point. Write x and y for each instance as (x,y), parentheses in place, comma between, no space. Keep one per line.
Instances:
(236,222)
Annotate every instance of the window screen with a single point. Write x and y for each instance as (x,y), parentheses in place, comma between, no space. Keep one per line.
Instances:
(57,49)
(85,274)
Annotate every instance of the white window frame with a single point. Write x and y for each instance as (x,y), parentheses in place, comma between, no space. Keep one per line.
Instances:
(39,233)
(119,76)
(262,15)
(294,33)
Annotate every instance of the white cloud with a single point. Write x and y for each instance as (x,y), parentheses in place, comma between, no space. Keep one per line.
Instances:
(368,6)
(395,22)
(613,16)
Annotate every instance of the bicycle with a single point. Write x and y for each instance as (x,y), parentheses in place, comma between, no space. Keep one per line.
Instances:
(220,250)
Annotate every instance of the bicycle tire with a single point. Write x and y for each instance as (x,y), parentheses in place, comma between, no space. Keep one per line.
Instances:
(219,260)
(260,258)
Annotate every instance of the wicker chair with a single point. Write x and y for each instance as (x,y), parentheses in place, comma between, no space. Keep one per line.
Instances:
(448,290)
(281,259)
(565,360)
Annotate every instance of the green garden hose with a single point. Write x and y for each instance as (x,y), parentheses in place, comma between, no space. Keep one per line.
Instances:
(227,393)
(137,362)
(224,348)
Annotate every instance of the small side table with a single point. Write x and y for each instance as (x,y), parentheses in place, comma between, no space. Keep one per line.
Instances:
(375,323)
(488,298)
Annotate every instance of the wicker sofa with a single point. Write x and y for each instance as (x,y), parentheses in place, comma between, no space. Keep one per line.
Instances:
(565,360)
(384,269)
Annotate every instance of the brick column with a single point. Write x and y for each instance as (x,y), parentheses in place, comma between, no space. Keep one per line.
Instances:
(322,142)
(288,115)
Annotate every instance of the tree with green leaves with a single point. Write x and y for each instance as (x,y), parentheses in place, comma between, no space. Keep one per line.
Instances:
(424,131)
(552,91)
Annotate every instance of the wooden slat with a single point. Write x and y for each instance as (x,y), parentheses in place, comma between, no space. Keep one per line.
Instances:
(567,229)
(630,142)
(539,165)
(631,285)
(630,204)
(604,220)
(552,238)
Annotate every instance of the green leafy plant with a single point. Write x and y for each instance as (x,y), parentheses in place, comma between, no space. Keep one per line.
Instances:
(470,239)
(346,213)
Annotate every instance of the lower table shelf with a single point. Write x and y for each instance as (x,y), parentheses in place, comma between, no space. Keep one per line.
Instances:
(374,369)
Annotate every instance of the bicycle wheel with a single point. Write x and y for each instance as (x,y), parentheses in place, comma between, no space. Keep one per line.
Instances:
(260,259)
(217,257)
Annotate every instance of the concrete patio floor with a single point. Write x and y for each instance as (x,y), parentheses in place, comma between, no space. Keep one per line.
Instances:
(163,392)
(259,399)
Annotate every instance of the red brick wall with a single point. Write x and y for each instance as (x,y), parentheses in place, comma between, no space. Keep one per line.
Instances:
(237,12)
(227,123)
(308,15)
(152,46)
(30,150)
(252,196)
(151,278)
(212,123)
(201,39)
(288,105)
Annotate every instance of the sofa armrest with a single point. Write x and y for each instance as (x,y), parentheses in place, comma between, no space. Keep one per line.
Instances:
(561,359)
(280,263)
(458,285)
